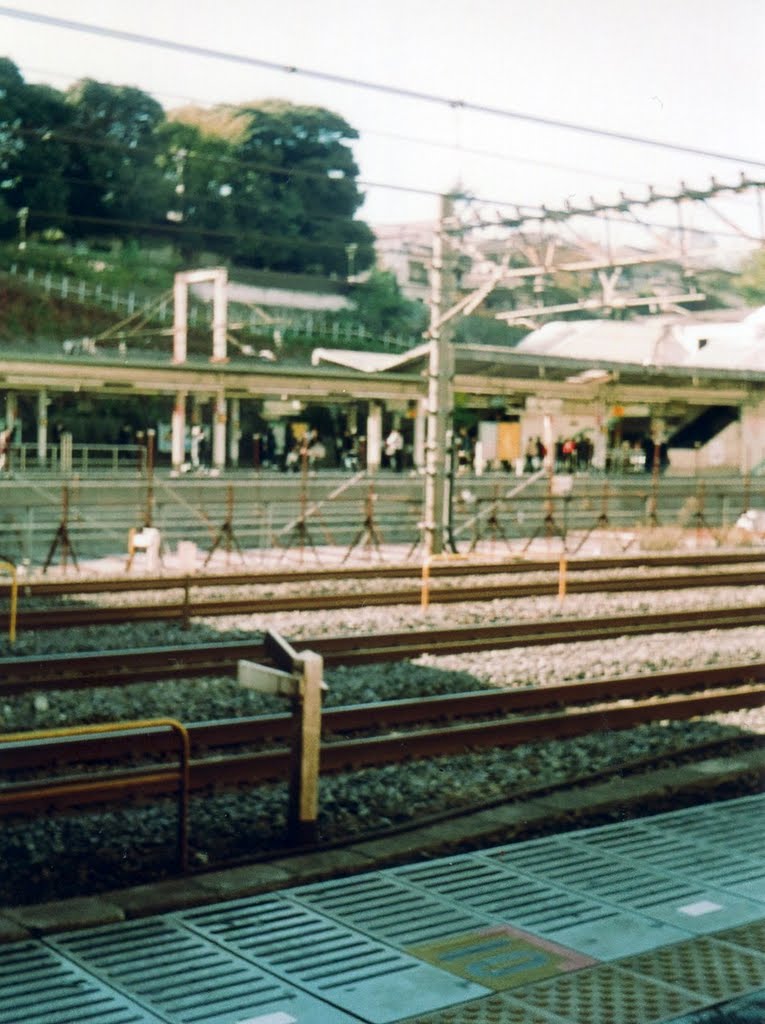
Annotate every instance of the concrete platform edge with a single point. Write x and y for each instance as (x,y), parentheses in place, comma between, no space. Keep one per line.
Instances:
(479,829)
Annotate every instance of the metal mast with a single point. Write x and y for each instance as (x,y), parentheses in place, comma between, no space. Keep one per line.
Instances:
(440,372)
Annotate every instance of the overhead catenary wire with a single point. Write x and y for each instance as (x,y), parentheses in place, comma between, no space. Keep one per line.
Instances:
(394,136)
(159,42)
(524,213)
(290,171)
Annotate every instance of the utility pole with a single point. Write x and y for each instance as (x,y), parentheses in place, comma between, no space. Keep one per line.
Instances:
(440,372)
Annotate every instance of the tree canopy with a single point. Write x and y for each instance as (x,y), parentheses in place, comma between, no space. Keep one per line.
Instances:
(32,156)
(290,184)
(751,281)
(268,184)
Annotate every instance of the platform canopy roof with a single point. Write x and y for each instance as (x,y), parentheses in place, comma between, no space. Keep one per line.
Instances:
(369,362)
(731,344)
(650,343)
(659,350)
(736,345)
(656,360)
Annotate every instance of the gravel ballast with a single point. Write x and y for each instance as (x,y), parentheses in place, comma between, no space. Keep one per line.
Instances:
(72,855)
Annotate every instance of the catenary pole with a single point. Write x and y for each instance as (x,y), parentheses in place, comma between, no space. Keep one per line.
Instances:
(439,409)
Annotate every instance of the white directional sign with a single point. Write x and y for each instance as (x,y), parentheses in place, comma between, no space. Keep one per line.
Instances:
(267,680)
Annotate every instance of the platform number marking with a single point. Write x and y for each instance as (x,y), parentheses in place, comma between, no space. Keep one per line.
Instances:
(501,958)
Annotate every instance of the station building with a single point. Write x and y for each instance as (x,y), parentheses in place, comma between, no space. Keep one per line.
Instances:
(696,386)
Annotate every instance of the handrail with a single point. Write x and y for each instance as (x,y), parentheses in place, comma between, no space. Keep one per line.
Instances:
(105,727)
(10,568)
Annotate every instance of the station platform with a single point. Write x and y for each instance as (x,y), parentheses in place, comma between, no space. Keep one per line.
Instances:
(650,921)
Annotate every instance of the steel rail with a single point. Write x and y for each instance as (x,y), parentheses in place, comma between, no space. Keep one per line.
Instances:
(511,565)
(34,753)
(120,667)
(57,618)
(273,765)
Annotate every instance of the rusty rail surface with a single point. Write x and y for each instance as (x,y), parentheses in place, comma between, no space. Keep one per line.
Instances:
(511,565)
(262,729)
(120,667)
(182,610)
(604,705)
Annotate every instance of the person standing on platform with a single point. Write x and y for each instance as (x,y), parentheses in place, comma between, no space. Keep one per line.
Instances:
(394,445)
(530,456)
(5,440)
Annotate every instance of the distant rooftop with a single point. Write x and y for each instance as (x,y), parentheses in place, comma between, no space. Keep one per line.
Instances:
(276,290)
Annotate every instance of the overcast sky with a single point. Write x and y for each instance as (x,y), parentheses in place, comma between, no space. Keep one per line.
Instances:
(687,72)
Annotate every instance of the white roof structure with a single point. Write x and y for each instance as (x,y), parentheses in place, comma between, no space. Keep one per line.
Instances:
(656,341)
(367,362)
(649,344)
(738,345)
(282,298)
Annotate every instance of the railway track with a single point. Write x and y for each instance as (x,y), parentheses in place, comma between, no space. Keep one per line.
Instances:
(488,719)
(186,608)
(121,667)
(451,567)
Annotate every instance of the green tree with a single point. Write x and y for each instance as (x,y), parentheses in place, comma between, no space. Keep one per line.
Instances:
(197,170)
(32,156)
(381,307)
(293,185)
(118,186)
(750,283)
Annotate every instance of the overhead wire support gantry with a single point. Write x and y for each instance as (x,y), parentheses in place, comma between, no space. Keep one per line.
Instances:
(544,258)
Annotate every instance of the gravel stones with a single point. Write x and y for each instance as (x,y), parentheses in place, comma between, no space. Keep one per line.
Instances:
(85,853)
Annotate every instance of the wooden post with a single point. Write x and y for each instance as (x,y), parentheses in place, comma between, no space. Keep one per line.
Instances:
(304,783)
(300,677)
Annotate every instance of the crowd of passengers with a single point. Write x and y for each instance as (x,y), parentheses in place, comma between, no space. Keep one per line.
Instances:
(348,451)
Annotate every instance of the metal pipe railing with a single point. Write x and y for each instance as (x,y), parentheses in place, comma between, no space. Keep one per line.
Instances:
(10,568)
(106,727)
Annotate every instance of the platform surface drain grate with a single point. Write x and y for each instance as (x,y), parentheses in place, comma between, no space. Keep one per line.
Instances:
(732,824)
(187,980)
(592,927)
(39,987)
(675,900)
(383,907)
(672,851)
(361,975)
